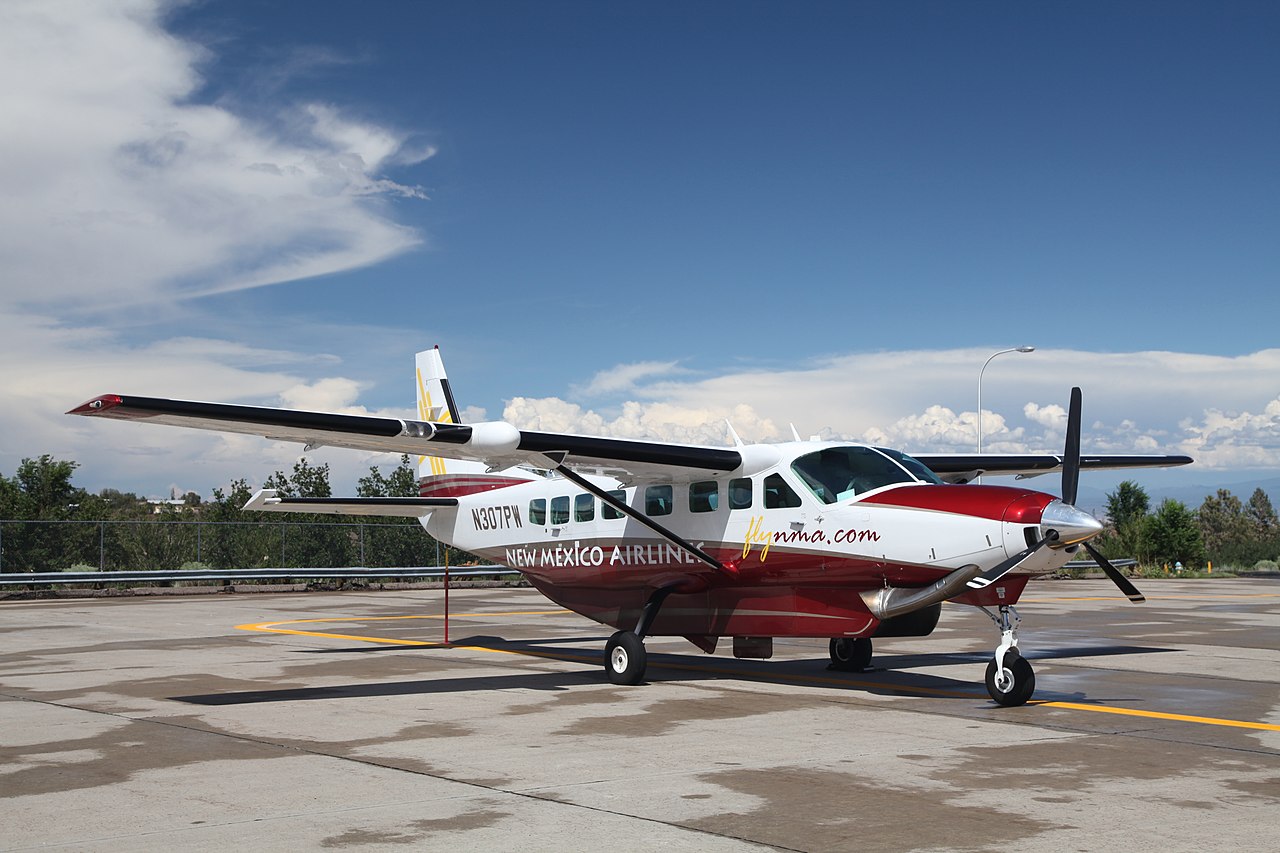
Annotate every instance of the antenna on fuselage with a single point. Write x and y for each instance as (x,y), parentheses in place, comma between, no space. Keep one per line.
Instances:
(737,442)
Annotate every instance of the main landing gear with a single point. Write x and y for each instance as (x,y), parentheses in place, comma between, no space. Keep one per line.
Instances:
(850,654)
(1010,679)
(624,655)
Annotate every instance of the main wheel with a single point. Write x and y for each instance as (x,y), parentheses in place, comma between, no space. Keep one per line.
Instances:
(1014,684)
(850,654)
(625,658)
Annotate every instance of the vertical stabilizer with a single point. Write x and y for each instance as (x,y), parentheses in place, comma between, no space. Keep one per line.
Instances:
(435,399)
(449,477)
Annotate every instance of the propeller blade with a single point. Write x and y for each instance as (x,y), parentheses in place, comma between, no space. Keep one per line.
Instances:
(994,574)
(1130,591)
(1071,454)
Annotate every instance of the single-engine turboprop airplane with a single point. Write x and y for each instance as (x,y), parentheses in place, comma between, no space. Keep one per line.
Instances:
(822,539)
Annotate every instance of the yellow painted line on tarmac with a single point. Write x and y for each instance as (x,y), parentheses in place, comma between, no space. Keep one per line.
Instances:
(1230,596)
(273,627)
(1160,715)
(765,675)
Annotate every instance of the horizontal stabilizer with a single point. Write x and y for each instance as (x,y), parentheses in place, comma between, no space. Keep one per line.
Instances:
(267,500)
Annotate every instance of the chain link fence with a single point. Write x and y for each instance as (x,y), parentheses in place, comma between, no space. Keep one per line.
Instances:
(48,546)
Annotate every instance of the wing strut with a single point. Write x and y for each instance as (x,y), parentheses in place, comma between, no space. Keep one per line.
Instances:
(557,457)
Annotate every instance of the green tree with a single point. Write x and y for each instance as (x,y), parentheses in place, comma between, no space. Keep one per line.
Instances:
(1261,514)
(237,539)
(1172,536)
(1223,525)
(41,494)
(403,482)
(395,541)
(313,541)
(1127,513)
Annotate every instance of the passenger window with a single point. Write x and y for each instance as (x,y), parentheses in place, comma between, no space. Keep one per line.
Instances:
(740,493)
(560,510)
(584,508)
(777,494)
(607,511)
(658,500)
(538,511)
(704,496)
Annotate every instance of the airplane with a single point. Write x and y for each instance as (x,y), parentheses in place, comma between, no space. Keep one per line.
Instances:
(835,540)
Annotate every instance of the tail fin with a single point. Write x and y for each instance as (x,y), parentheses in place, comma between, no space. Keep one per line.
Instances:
(449,477)
(435,400)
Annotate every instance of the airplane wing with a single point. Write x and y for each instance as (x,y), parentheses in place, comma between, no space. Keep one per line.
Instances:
(501,445)
(498,444)
(961,468)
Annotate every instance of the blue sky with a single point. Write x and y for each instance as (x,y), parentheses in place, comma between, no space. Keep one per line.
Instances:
(642,218)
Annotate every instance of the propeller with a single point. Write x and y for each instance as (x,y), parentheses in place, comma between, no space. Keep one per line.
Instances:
(1070,487)
(994,574)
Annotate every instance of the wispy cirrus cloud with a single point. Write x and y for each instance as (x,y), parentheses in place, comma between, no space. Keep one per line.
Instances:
(126,188)
(625,378)
(119,187)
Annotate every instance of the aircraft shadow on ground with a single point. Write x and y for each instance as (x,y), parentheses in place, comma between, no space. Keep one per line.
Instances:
(892,674)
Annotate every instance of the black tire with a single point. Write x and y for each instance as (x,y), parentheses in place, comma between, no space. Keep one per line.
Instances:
(625,658)
(1022,686)
(850,654)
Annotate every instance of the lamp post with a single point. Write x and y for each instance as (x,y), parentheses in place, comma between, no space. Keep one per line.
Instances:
(1023,348)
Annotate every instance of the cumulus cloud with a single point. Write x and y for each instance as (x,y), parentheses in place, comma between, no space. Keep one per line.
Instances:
(1133,403)
(646,421)
(1235,440)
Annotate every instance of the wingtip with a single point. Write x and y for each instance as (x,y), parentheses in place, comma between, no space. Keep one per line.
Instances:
(97,405)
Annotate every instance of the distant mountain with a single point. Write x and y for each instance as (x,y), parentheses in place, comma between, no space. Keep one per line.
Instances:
(1095,500)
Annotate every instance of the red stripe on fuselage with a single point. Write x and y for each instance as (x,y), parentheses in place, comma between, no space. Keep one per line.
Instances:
(1001,503)
(463,484)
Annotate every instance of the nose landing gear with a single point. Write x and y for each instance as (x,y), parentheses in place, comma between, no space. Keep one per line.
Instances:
(1010,679)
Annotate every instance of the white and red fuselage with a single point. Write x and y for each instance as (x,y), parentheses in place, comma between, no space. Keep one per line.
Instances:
(798,564)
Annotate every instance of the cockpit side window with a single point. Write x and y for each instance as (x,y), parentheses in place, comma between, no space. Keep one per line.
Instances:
(840,473)
(777,494)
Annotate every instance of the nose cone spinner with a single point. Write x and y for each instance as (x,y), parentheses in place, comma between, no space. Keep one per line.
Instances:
(1072,525)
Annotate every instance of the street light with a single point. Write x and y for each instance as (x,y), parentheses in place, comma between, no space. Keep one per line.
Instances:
(1023,348)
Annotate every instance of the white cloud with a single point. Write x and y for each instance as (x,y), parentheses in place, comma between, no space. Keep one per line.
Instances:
(1147,402)
(123,191)
(650,421)
(120,189)
(623,378)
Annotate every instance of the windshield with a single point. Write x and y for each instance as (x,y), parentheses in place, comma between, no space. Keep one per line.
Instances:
(840,473)
(915,466)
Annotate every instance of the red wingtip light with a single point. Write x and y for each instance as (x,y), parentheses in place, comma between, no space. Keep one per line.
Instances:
(97,405)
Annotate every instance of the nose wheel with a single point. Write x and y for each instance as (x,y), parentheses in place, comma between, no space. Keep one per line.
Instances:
(1010,678)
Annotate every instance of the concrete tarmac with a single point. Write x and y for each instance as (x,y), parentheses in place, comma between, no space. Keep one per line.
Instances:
(151,723)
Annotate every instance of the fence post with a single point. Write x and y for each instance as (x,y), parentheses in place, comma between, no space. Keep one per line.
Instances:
(102,546)
(282,565)
(362,562)
(199,525)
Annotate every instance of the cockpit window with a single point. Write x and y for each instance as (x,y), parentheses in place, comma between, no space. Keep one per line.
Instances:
(840,473)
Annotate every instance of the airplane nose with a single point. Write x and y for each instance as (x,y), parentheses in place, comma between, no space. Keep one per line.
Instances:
(1073,525)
